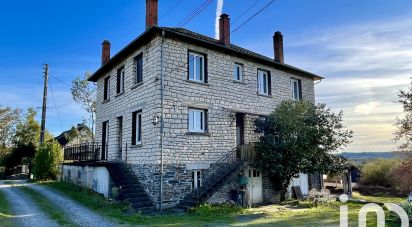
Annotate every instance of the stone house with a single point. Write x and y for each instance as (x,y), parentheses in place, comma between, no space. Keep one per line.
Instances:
(177,108)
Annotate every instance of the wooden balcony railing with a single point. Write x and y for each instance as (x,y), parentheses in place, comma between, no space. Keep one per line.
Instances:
(89,152)
(246,152)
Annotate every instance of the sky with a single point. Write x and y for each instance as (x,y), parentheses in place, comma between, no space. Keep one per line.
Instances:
(362,48)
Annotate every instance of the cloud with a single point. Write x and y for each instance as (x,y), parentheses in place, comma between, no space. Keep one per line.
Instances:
(365,66)
(219,9)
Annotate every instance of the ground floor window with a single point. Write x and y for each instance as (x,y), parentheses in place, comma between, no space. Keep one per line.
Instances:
(196,179)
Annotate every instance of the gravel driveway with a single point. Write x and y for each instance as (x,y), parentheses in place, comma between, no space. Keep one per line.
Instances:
(26,211)
(29,214)
(77,213)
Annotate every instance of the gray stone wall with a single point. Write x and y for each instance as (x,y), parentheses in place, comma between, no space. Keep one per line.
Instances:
(221,97)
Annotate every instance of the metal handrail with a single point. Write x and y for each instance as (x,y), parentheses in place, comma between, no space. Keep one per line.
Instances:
(216,172)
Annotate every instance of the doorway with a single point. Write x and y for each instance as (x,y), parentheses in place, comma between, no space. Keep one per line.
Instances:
(119,137)
(240,129)
(105,139)
(254,185)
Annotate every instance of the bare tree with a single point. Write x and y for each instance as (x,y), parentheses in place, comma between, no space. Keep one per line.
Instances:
(84,93)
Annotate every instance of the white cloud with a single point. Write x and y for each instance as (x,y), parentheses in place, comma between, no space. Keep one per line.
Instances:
(366,108)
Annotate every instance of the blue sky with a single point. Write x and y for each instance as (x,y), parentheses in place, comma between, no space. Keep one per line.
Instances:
(363,48)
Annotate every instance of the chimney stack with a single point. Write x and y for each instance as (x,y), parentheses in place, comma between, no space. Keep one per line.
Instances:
(151,13)
(105,52)
(224,29)
(278,47)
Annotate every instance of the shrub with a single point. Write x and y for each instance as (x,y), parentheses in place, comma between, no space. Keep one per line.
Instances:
(402,177)
(379,172)
(207,209)
(47,161)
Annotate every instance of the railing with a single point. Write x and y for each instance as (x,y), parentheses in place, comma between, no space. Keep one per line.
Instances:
(246,152)
(85,152)
(217,172)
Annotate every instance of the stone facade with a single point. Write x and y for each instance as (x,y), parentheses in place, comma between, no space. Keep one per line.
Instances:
(221,96)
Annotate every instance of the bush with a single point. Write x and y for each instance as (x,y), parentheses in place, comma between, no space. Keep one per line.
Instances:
(402,177)
(47,161)
(379,172)
(215,209)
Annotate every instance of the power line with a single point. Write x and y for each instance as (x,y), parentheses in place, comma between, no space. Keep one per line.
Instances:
(253,16)
(170,9)
(61,81)
(196,12)
(55,106)
(244,12)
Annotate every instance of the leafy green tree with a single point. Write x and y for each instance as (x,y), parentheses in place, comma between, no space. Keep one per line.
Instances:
(404,133)
(300,137)
(28,130)
(84,93)
(8,120)
(47,161)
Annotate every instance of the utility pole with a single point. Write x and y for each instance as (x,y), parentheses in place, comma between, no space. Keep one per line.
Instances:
(43,112)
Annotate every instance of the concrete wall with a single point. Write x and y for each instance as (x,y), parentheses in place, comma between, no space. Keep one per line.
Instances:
(96,178)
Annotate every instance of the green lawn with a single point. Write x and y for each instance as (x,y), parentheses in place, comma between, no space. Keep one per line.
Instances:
(5,212)
(305,214)
(47,207)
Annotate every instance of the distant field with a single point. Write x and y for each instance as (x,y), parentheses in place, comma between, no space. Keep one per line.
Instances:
(372,155)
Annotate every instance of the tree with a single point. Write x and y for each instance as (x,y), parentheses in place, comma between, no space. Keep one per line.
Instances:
(404,125)
(8,120)
(47,161)
(84,93)
(28,131)
(300,137)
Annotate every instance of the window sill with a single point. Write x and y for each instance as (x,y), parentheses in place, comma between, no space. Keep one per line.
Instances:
(105,101)
(198,133)
(136,146)
(136,85)
(239,82)
(198,82)
(119,94)
(264,95)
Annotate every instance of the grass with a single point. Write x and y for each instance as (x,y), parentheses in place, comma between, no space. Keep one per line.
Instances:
(5,211)
(305,214)
(121,212)
(51,210)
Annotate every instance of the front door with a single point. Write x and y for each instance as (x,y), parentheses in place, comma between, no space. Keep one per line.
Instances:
(254,186)
(240,129)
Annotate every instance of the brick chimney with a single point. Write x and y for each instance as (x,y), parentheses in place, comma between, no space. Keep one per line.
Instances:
(224,29)
(105,52)
(278,47)
(151,13)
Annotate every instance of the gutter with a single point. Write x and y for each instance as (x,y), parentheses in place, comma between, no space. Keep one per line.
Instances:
(161,118)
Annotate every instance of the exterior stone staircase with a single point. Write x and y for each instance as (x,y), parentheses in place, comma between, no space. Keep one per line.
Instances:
(219,173)
(130,189)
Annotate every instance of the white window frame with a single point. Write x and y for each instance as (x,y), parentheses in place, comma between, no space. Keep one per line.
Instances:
(238,72)
(295,90)
(263,86)
(195,77)
(197,120)
(106,89)
(196,179)
(138,128)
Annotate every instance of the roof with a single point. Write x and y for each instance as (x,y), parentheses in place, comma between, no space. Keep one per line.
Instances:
(199,39)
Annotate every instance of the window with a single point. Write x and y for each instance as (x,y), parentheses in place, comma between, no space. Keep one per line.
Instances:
(238,72)
(106,91)
(138,63)
(264,83)
(196,179)
(137,128)
(120,80)
(197,67)
(296,88)
(197,120)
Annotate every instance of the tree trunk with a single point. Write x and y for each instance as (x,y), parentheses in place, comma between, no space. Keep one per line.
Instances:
(283,192)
